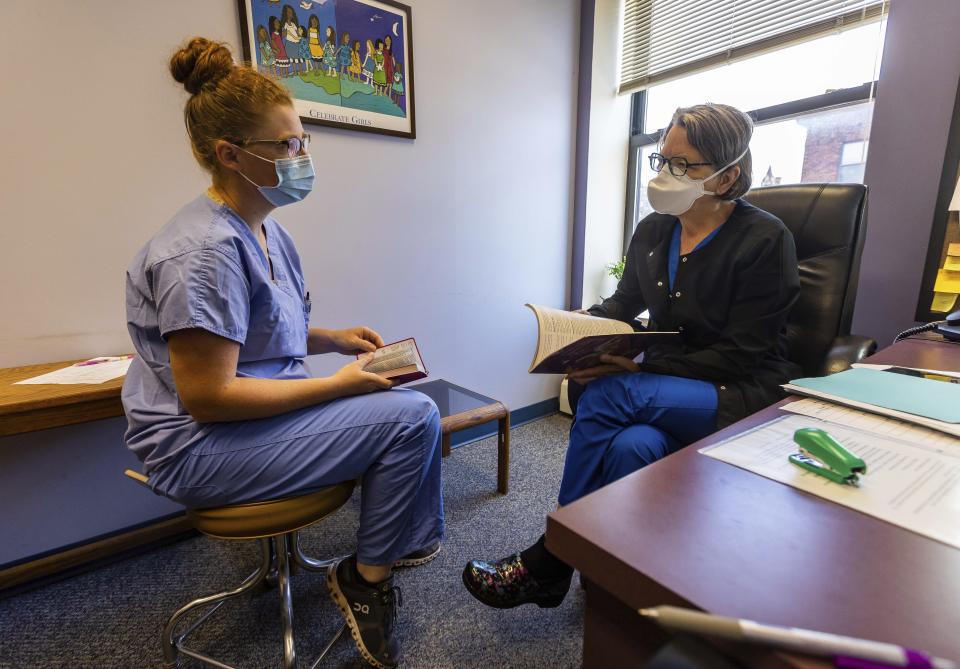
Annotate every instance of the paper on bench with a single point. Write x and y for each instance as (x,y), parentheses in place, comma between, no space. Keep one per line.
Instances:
(95,370)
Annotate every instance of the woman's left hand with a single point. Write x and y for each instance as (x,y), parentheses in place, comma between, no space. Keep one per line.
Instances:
(615,364)
(354,341)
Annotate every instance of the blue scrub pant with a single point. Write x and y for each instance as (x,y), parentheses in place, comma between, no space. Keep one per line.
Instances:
(389,440)
(625,422)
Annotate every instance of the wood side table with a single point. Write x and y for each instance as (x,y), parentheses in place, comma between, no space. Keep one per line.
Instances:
(461,409)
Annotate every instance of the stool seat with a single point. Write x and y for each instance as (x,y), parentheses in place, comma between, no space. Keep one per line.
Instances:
(276,523)
(257,520)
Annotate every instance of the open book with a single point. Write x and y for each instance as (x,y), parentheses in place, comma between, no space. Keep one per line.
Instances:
(567,341)
(400,362)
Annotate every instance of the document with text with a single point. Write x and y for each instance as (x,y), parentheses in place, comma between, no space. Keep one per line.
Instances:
(916,487)
(865,421)
(95,370)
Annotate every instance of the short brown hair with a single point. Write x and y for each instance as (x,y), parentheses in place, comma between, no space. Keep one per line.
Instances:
(227,101)
(720,133)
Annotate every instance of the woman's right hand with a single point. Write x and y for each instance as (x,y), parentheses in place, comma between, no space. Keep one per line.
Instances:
(613,364)
(352,380)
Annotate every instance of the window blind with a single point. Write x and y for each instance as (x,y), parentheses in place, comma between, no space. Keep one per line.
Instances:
(666,39)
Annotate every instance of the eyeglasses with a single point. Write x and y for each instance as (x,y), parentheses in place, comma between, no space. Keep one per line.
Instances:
(294,145)
(678,165)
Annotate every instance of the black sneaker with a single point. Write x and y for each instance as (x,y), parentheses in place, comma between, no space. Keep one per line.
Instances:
(370,612)
(417,558)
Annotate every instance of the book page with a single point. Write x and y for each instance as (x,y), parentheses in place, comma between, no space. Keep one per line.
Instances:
(557,328)
(393,356)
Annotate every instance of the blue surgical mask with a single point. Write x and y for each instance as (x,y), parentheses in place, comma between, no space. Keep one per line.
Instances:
(294,179)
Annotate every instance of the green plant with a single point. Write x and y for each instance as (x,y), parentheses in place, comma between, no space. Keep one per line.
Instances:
(615,269)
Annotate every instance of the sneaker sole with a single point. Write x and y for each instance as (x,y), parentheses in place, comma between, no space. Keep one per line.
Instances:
(402,563)
(551,602)
(337,595)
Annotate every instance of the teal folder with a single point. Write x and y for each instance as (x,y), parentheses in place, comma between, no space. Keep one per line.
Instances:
(910,394)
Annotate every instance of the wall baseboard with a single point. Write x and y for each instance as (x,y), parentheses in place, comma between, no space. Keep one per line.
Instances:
(55,565)
(518,417)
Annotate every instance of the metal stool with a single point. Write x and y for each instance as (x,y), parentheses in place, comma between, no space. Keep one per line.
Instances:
(277,524)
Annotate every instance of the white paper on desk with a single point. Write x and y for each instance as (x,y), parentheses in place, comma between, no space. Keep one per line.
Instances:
(89,373)
(864,421)
(916,488)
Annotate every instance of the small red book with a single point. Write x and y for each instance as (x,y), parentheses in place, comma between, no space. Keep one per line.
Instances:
(400,362)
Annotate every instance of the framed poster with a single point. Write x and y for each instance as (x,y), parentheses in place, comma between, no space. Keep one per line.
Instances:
(346,63)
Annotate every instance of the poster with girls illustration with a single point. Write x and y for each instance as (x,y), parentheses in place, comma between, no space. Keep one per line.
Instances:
(346,63)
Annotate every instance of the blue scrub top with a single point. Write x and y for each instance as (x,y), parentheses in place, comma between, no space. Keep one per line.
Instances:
(673,259)
(205,269)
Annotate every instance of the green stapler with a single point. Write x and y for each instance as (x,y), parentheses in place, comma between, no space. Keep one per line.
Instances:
(823,455)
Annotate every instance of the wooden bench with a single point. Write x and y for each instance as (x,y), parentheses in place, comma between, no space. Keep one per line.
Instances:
(29,408)
(37,407)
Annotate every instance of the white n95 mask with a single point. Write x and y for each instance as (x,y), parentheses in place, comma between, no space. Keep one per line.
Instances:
(673,195)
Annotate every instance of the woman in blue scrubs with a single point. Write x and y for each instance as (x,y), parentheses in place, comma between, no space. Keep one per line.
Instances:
(220,406)
(708,265)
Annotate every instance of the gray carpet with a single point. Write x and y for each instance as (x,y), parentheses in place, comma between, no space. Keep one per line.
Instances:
(113,616)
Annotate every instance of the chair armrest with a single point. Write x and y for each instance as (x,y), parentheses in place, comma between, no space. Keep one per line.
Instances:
(846,350)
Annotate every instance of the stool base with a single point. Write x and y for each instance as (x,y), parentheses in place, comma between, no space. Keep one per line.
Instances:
(279,556)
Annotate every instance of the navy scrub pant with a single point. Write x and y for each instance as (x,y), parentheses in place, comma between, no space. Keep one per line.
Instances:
(625,422)
(389,440)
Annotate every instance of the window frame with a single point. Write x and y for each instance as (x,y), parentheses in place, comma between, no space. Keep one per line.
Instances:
(775,113)
(864,148)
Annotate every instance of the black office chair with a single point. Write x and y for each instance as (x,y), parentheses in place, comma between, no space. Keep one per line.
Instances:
(828,222)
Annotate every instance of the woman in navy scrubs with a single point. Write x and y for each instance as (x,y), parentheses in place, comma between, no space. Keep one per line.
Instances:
(708,265)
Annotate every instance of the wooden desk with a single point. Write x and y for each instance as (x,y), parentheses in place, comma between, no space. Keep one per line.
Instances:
(29,408)
(693,531)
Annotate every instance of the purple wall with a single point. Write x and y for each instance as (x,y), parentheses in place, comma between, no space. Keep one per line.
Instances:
(911,122)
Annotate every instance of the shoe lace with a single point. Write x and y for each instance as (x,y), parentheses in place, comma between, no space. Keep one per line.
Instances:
(393,598)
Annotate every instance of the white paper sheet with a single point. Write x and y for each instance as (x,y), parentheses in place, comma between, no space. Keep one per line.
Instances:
(870,422)
(911,486)
(95,370)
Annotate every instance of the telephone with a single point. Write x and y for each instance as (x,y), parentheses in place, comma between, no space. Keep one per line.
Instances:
(949,328)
